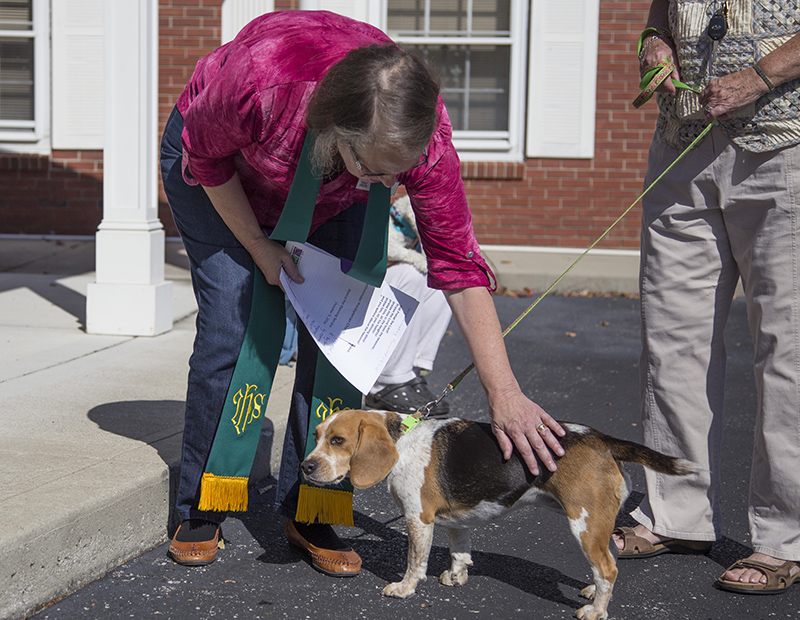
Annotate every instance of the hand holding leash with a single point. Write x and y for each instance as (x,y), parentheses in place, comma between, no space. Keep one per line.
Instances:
(657,63)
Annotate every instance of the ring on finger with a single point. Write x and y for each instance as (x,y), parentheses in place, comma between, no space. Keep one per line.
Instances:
(708,108)
(541,428)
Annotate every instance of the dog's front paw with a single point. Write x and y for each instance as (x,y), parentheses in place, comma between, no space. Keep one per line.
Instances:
(453,577)
(588,592)
(590,612)
(399,589)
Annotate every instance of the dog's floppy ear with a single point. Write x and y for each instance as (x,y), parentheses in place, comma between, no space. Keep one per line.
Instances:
(374,456)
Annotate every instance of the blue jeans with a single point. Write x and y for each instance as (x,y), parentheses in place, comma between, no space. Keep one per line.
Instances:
(222,277)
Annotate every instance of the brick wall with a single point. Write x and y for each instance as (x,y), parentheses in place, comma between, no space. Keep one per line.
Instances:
(60,194)
(547,202)
(188,30)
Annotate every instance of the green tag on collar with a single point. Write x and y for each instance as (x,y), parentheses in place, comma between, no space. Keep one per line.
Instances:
(409,422)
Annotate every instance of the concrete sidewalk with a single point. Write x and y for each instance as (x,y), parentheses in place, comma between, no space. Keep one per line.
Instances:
(90,426)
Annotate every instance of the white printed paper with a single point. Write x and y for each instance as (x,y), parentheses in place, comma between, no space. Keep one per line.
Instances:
(355,325)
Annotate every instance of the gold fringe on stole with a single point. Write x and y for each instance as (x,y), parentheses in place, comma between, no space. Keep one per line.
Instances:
(329,506)
(223,493)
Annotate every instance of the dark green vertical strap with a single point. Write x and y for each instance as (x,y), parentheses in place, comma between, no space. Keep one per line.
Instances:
(298,212)
(224,485)
(294,223)
(369,265)
(246,402)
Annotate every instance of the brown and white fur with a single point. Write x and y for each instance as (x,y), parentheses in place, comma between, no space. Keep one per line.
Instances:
(451,472)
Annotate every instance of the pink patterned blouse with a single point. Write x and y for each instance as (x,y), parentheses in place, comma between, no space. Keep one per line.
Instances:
(244,111)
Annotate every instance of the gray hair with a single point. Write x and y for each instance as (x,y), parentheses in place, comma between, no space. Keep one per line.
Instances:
(379,94)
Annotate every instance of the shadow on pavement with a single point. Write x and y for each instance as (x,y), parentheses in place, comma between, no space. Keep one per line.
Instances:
(160,425)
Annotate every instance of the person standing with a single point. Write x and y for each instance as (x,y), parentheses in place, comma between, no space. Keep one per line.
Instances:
(729,209)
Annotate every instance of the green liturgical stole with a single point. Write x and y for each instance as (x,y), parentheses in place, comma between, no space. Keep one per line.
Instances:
(224,483)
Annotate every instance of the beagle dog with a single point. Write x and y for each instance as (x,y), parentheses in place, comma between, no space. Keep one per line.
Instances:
(451,472)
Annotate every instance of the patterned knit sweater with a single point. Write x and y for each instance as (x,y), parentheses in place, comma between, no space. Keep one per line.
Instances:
(755,28)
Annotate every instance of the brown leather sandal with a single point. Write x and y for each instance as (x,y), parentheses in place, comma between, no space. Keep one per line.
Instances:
(779,578)
(637,547)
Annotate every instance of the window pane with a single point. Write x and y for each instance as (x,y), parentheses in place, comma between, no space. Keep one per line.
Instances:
(16,79)
(450,17)
(16,15)
(406,15)
(491,16)
(475,81)
(459,39)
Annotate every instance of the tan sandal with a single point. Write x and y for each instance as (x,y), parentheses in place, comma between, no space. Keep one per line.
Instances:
(636,547)
(779,578)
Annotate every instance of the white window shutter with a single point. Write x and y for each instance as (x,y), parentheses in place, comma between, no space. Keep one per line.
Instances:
(562,78)
(237,13)
(78,67)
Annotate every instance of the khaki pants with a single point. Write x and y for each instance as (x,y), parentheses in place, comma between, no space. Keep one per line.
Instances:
(721,213)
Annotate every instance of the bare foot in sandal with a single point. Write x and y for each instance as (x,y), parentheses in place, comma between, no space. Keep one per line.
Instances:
(639,542)
(641,531)
(753,575)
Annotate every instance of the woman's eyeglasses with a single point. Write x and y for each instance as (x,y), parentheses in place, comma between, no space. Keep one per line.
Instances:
(360,168)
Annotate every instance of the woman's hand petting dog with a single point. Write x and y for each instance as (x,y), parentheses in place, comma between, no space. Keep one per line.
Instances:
(519,422)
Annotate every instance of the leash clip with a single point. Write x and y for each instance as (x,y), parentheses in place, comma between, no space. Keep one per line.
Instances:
(411,420)
(425,410)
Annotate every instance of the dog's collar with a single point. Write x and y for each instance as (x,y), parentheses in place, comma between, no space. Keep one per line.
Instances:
(409,422)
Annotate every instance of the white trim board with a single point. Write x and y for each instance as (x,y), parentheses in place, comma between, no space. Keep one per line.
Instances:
(604,271)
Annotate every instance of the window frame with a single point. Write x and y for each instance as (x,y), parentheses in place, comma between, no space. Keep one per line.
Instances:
(482,145)
(35,137)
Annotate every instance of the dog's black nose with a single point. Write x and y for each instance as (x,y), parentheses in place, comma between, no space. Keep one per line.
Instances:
(309,466)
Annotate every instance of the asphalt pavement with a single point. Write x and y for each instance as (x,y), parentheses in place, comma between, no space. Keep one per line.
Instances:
(576,356)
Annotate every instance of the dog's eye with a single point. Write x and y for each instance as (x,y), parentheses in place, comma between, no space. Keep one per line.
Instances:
(337,441)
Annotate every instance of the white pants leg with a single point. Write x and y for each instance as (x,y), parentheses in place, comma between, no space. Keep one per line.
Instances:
(420,343)
(719,213)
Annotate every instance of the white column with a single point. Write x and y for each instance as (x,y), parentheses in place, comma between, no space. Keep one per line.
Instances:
(130,296)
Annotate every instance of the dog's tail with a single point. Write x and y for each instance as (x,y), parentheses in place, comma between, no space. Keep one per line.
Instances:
(632,452)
